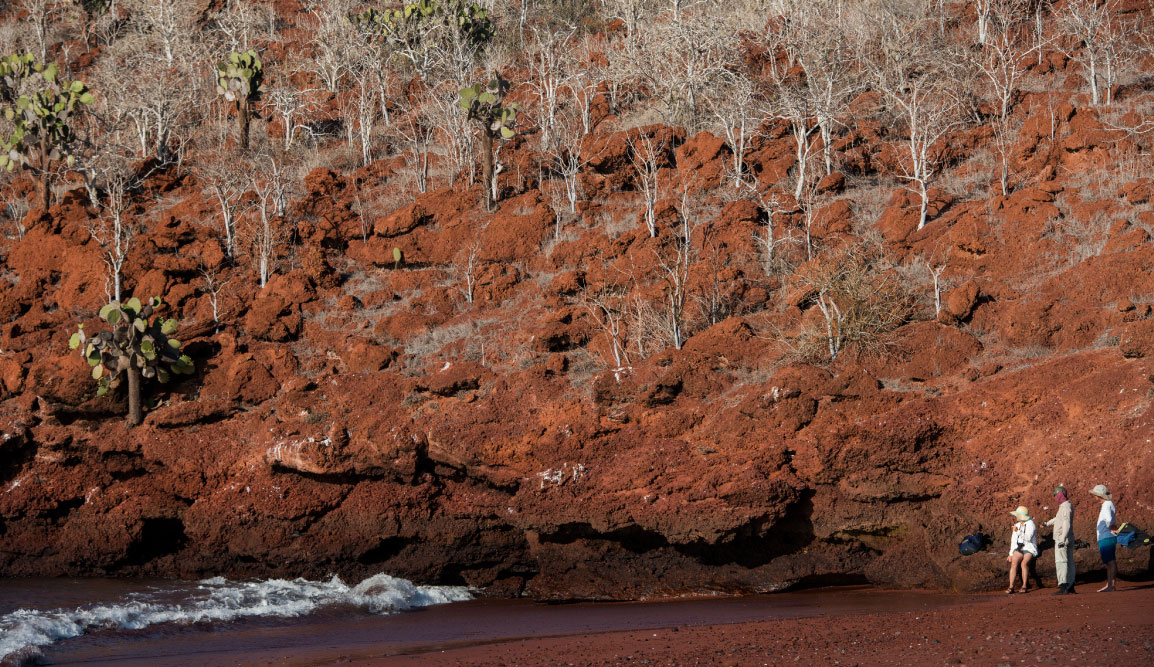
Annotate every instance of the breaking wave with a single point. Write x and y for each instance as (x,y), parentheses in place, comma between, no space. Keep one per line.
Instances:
(213,600)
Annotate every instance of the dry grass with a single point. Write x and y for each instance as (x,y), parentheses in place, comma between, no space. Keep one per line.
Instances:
(869,198)
(861,301)
(431,341)
(615,222)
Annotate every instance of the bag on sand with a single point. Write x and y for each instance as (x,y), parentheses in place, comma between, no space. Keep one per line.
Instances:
(1129,536)
(971,544)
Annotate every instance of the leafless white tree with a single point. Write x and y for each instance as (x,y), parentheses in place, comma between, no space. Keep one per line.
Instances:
(1038,21)
(686,53)
(466,270)
(1001,59)
(633,14)
(15,208)
(768,238)
(266,232)
(792,103)
(813,77)
(913,72)
(365,102)
(155,71)
(607,309)
(336,42)
(213,287)
(1086,25)
(41,16)
(832,75)
(984,9)
(567,158)
(292,105)
(549,68)
(1005,137)
(111,229)
(647,155)
(99,22)
(167,26)
(935,271)
(227,183)
(417,131)
(735,109)
(240,24)
(675,262)
(1122,50)
(584,81)
(456,135)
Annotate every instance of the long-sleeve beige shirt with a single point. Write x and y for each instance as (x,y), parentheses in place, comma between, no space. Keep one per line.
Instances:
(1063,524)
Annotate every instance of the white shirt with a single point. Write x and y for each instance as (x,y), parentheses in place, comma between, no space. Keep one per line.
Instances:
(1105,520)
(1026,533)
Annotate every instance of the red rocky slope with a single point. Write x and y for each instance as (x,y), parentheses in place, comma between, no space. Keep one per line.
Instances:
(355,416)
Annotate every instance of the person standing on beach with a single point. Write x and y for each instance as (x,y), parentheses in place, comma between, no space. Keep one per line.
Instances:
(1063,525)
(1023,548)
(1107,536)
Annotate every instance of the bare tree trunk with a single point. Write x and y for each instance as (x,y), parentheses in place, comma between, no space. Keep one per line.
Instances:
(1094,80)
(925,203)
(487,168)
(135,411)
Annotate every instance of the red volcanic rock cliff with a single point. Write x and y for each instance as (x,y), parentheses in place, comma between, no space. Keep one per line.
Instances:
(459,416)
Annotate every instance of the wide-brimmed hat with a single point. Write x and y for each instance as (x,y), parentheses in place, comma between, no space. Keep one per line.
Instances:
(1022,513)
(1101,492)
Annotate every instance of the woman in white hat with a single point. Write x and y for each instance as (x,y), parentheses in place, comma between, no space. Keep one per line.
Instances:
(1107,535)
(1023,548)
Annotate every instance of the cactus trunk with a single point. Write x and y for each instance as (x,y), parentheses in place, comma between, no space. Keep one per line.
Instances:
(45,189)
(135,411)
(487,169)
(242,119)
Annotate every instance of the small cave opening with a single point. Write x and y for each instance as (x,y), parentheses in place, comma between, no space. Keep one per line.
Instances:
(159,536)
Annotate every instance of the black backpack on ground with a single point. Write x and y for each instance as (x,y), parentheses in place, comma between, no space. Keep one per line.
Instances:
(972,544)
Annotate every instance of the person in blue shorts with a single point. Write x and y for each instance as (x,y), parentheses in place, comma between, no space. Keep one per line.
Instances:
(1107,535)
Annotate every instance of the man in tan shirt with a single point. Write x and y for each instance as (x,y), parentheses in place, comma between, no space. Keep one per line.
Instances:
(1063,525)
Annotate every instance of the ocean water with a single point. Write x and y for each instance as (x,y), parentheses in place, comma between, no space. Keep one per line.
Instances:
(37,614)
(301,622)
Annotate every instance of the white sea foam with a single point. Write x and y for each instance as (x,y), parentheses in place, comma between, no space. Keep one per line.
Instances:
(214,600)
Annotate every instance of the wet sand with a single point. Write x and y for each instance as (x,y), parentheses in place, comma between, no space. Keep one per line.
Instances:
(995,629)
(832,626)
(342,634)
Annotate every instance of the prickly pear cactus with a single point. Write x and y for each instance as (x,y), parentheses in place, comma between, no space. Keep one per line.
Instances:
(484,103)
(388,23)
(136,346)
(238,78)
(471,20)
(39,107)
(14,69)
(412,21)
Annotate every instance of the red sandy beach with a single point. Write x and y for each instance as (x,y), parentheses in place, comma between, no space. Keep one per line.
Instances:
(847,626)
(1036,628)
